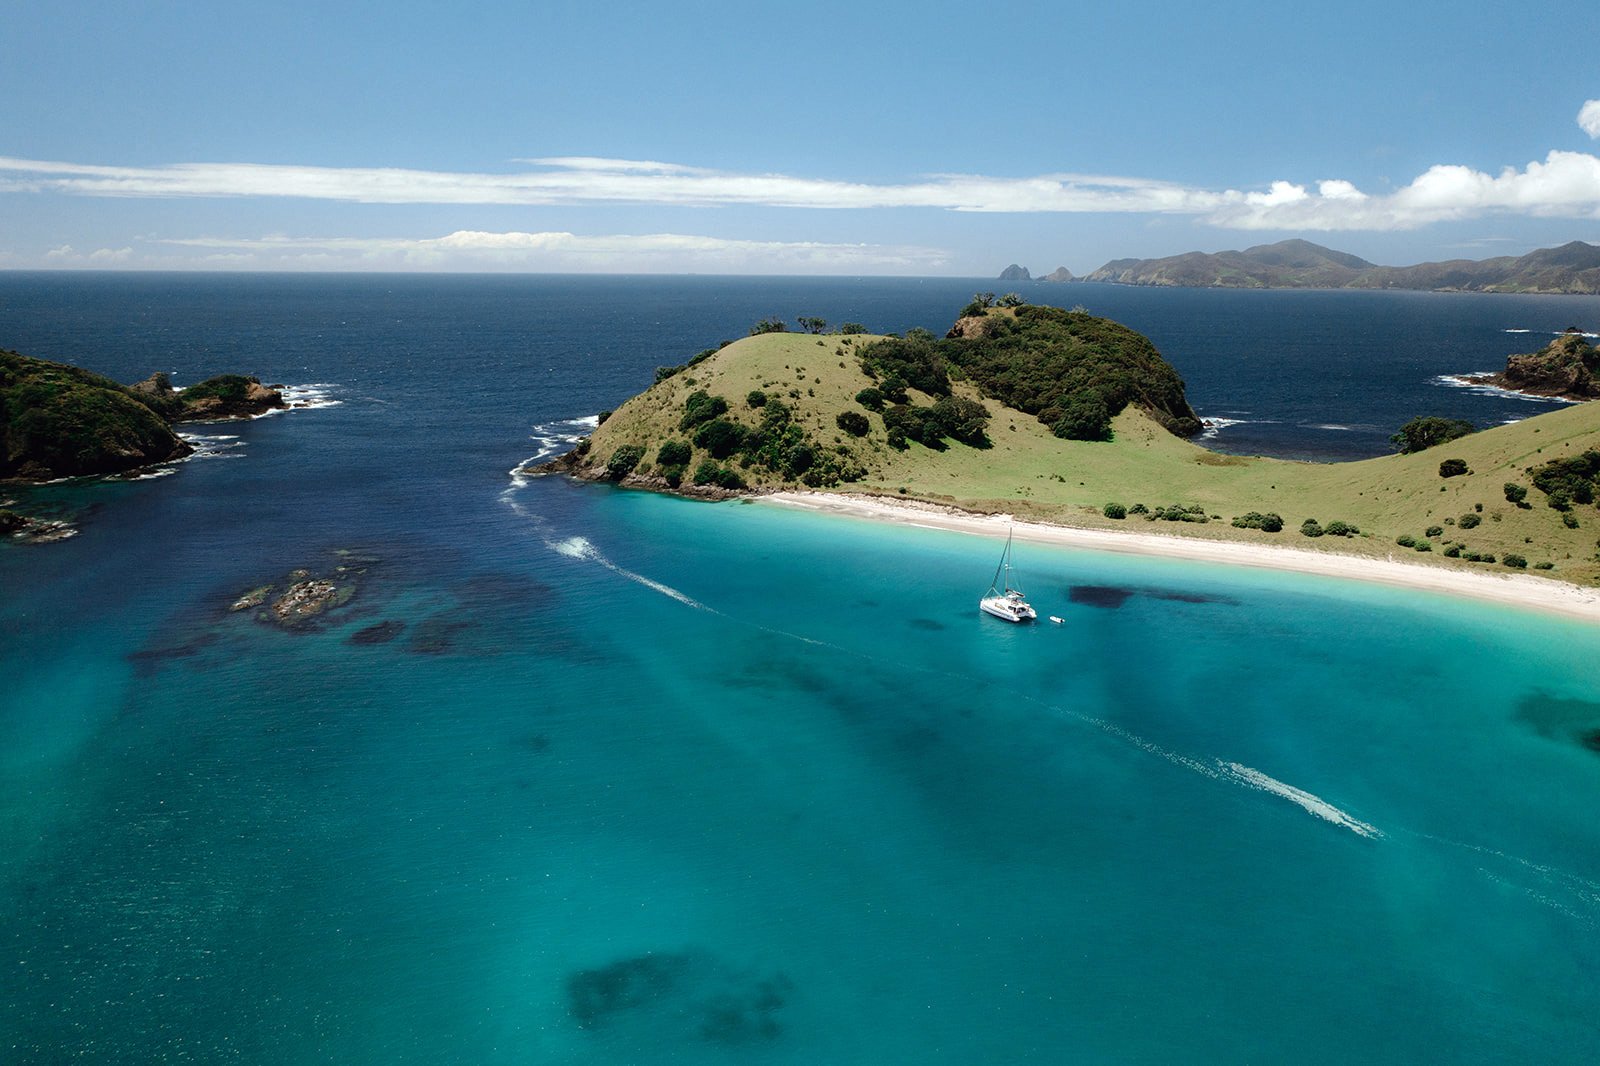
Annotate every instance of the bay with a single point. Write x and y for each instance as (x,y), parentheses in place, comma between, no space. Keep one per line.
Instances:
(638,779)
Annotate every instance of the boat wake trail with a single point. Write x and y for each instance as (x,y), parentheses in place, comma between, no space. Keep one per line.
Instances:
(580,548)
(1312,804)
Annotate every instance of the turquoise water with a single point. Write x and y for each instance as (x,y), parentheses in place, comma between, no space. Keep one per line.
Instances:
(695,783)
(642,780)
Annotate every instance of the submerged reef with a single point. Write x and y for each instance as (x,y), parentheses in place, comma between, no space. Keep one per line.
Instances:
(685,994)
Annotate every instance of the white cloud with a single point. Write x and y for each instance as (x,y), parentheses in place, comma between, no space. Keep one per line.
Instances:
(586,180)
(561,251)
(1589,117)
(1564,184)
(99,257)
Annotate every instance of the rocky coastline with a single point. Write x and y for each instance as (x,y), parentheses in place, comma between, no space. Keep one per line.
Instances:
(1568,368)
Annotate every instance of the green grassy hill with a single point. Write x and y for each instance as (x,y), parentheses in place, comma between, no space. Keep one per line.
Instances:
(1030,471)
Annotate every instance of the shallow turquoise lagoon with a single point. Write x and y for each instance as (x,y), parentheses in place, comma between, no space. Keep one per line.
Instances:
(644,780)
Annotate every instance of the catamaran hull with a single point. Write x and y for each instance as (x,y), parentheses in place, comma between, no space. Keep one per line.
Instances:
(1007,610)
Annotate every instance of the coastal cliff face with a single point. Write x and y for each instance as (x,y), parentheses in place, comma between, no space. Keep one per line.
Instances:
(61,421)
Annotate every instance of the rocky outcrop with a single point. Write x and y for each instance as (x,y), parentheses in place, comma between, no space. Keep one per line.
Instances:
(228,396)
(1015,273)
(1059,274)
(1568,367)
(306,596)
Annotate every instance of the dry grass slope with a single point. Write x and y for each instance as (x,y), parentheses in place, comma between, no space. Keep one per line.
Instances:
(1035,475)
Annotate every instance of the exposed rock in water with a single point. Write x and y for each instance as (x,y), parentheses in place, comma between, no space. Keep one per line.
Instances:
(1015,273)
(27,530)
(1059,274)
(305,596)
(304,600)
(254,598)
(1568,367)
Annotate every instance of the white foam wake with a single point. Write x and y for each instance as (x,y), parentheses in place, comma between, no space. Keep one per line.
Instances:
(581,548)
(1312,804)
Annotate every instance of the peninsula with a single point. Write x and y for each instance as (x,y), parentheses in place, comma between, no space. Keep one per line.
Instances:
(1059,417)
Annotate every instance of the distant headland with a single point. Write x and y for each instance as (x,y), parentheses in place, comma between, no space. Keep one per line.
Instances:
(1573,268)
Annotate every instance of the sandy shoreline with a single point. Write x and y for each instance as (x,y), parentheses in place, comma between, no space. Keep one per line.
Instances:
(1512,589)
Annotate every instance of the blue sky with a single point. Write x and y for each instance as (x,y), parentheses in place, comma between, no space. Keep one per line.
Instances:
(835,138)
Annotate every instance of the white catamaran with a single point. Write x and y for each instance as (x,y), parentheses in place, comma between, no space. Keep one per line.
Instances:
(1005,600)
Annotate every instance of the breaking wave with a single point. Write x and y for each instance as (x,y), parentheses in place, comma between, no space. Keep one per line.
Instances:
(553,438)
(1466,381)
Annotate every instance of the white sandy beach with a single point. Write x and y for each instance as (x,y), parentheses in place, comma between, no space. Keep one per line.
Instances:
(1513,589)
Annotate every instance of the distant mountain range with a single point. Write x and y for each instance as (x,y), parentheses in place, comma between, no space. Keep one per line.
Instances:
(1298,264)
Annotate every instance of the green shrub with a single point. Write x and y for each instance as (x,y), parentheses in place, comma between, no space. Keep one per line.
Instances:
(1544,566)
(1569,520)
(720,437)
(870,398)
(853,422)
(1311,528)
(1178,513)
(710,472)
(1569,481)
(1424,546)
(1115,510)
(1406,540)
(852,327)
(1337,528)
(623,460)
(767,325)
(1083,416)
(1515,493)
(1516,562)
(700,407)
(1452,468)
(962,419)
(1428,431)
(756,398)
(1454,551)
(674,453)
(1138,508)
(1435,531)
(1267,523)
(1468,521)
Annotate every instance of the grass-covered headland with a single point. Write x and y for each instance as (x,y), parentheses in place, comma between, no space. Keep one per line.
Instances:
(1059,416)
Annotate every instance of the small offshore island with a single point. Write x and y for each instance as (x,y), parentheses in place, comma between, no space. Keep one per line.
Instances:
(59,421)
(1062,418)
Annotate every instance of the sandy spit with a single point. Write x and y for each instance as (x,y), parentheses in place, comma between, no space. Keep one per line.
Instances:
(1516,590)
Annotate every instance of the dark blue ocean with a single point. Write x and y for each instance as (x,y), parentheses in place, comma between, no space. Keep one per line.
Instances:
(630,779)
